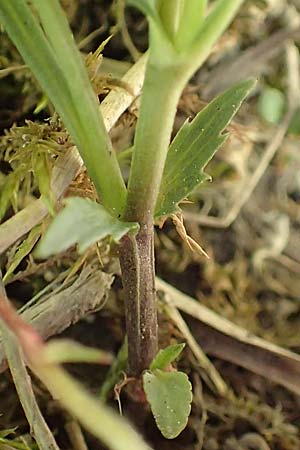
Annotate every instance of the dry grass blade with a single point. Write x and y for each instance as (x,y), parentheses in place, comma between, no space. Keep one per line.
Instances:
(38,426)
(66,168)
(51,315)
(251,62)
(227,341)
(76,436)
(210,375)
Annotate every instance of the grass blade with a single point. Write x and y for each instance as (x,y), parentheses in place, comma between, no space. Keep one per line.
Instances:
(57,65)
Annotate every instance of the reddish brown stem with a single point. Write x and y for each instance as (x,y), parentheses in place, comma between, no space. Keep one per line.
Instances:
(29,339)
(137,264)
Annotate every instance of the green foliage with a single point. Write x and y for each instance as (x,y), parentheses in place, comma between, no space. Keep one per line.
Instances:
(182,28)
(31,149)
(42,173)
(294,127)
(181,37)
(9,443)
(44,40)
(148,7)
(169,395)
(23,250)
(271,104)
(65,350)
(116,369)
(8,192)
(193,147)
(166,356)
(192,16)
(84,222)
(7,432)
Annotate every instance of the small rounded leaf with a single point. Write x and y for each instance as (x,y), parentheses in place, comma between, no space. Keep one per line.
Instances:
(271,104)
(169,395)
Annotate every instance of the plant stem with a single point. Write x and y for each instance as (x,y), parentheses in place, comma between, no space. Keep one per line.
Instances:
(166,75)
(137,264)
(161,93)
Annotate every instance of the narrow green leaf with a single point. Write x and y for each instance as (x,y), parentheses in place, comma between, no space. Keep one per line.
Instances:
(41,105)
(65,350)
(148,7)
(170,12)
(169,395)
(106,424)
(194,146)
(81,222)
(166,356)
(192,17)
(161,48)
(42,174)
(23,250)
(221,14)
(7,431)
(9,444)
(271,104)
(116,369)
(10,188)
(24,30)
(58,66)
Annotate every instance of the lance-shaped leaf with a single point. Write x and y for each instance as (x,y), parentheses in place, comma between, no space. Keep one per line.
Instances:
(42,174)
(148,7)
(170,396)
(194,146)
(23,250)
(8,192)
(59,351)
(81,222)
(166,356)
(192,16)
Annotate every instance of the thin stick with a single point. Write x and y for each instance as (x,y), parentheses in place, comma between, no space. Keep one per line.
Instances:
(227,341)
(76,435)
(251,62)
(211,375)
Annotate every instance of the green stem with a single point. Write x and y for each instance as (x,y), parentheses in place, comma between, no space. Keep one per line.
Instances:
(166,75)
(170,13)
(162,89)
(161,93)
